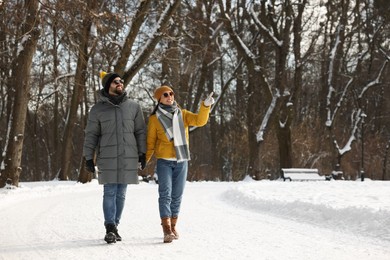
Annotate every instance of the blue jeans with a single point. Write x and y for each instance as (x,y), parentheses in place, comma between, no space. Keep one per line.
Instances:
(114,196)
(172,177)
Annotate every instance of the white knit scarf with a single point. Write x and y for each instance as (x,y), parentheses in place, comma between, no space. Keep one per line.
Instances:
(171,119)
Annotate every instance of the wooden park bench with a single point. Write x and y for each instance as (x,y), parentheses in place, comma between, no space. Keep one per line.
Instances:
(301,174)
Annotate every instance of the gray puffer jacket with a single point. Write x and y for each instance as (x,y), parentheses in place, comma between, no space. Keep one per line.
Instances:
(118,135)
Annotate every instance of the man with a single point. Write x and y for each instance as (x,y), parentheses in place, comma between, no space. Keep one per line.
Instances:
(116,131)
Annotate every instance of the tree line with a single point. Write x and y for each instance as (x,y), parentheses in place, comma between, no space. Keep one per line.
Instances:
(298,83)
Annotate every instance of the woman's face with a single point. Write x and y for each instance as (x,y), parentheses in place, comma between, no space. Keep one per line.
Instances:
(167,98)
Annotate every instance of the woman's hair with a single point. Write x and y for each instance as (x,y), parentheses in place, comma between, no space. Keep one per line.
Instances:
(155,108)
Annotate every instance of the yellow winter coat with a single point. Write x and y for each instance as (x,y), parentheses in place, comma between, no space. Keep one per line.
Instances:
(157,142)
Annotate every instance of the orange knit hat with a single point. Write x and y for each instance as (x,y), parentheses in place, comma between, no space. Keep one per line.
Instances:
(161,90)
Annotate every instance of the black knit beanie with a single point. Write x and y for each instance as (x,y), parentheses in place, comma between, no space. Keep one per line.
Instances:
(107,78)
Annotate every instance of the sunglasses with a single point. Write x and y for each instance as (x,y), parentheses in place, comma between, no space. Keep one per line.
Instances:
(118,81)
(166,94)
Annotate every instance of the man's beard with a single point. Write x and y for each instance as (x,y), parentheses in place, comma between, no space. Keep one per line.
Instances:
(119,91)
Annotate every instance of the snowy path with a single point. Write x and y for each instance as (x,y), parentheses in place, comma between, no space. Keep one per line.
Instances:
(65,222)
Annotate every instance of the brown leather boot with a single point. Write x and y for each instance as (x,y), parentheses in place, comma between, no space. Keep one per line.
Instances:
(168,235)
(173,227)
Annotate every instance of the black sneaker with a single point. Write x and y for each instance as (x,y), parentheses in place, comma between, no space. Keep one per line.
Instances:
(110,234)
(118,237)
(110,238)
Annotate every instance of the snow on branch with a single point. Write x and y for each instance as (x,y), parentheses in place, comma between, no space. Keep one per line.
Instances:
(245,48)
(264,123)
(374,82)
(22,43)
(263,27)
(157,33)
(331,116)
(241,42)
(356,118)
(384,53)
(331,90)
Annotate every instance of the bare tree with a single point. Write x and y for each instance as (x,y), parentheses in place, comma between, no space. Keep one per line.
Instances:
(274,24)
(347,79)
(143,55)
(80,79)
(21,66)
(188,64)
(255,79)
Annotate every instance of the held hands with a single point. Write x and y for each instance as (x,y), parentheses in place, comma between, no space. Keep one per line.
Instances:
(209,100)
(90,166)
(142,161)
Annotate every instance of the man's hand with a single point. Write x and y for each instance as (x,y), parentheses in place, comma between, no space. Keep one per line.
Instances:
(142,161)
(90,166)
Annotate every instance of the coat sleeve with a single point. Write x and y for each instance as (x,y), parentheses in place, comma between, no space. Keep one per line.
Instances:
(199,119)
(151,138)
(91,135)
(140,130)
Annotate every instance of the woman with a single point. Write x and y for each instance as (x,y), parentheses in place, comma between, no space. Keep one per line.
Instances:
(167,139)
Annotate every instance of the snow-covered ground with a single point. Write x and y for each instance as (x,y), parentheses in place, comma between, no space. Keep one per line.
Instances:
(242,220)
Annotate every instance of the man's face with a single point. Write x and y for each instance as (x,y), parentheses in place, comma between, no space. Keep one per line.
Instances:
(116,87)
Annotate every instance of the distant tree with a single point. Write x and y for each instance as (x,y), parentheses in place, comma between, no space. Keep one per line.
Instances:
(350,73)
(254,80)
(19,82)
(84,52)
(143,54)
(268,37)
(189,57)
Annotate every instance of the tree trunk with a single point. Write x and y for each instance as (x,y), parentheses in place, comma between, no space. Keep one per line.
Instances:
(80,79)
(385,161)
(21,84)
(284,137)
(56,142)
